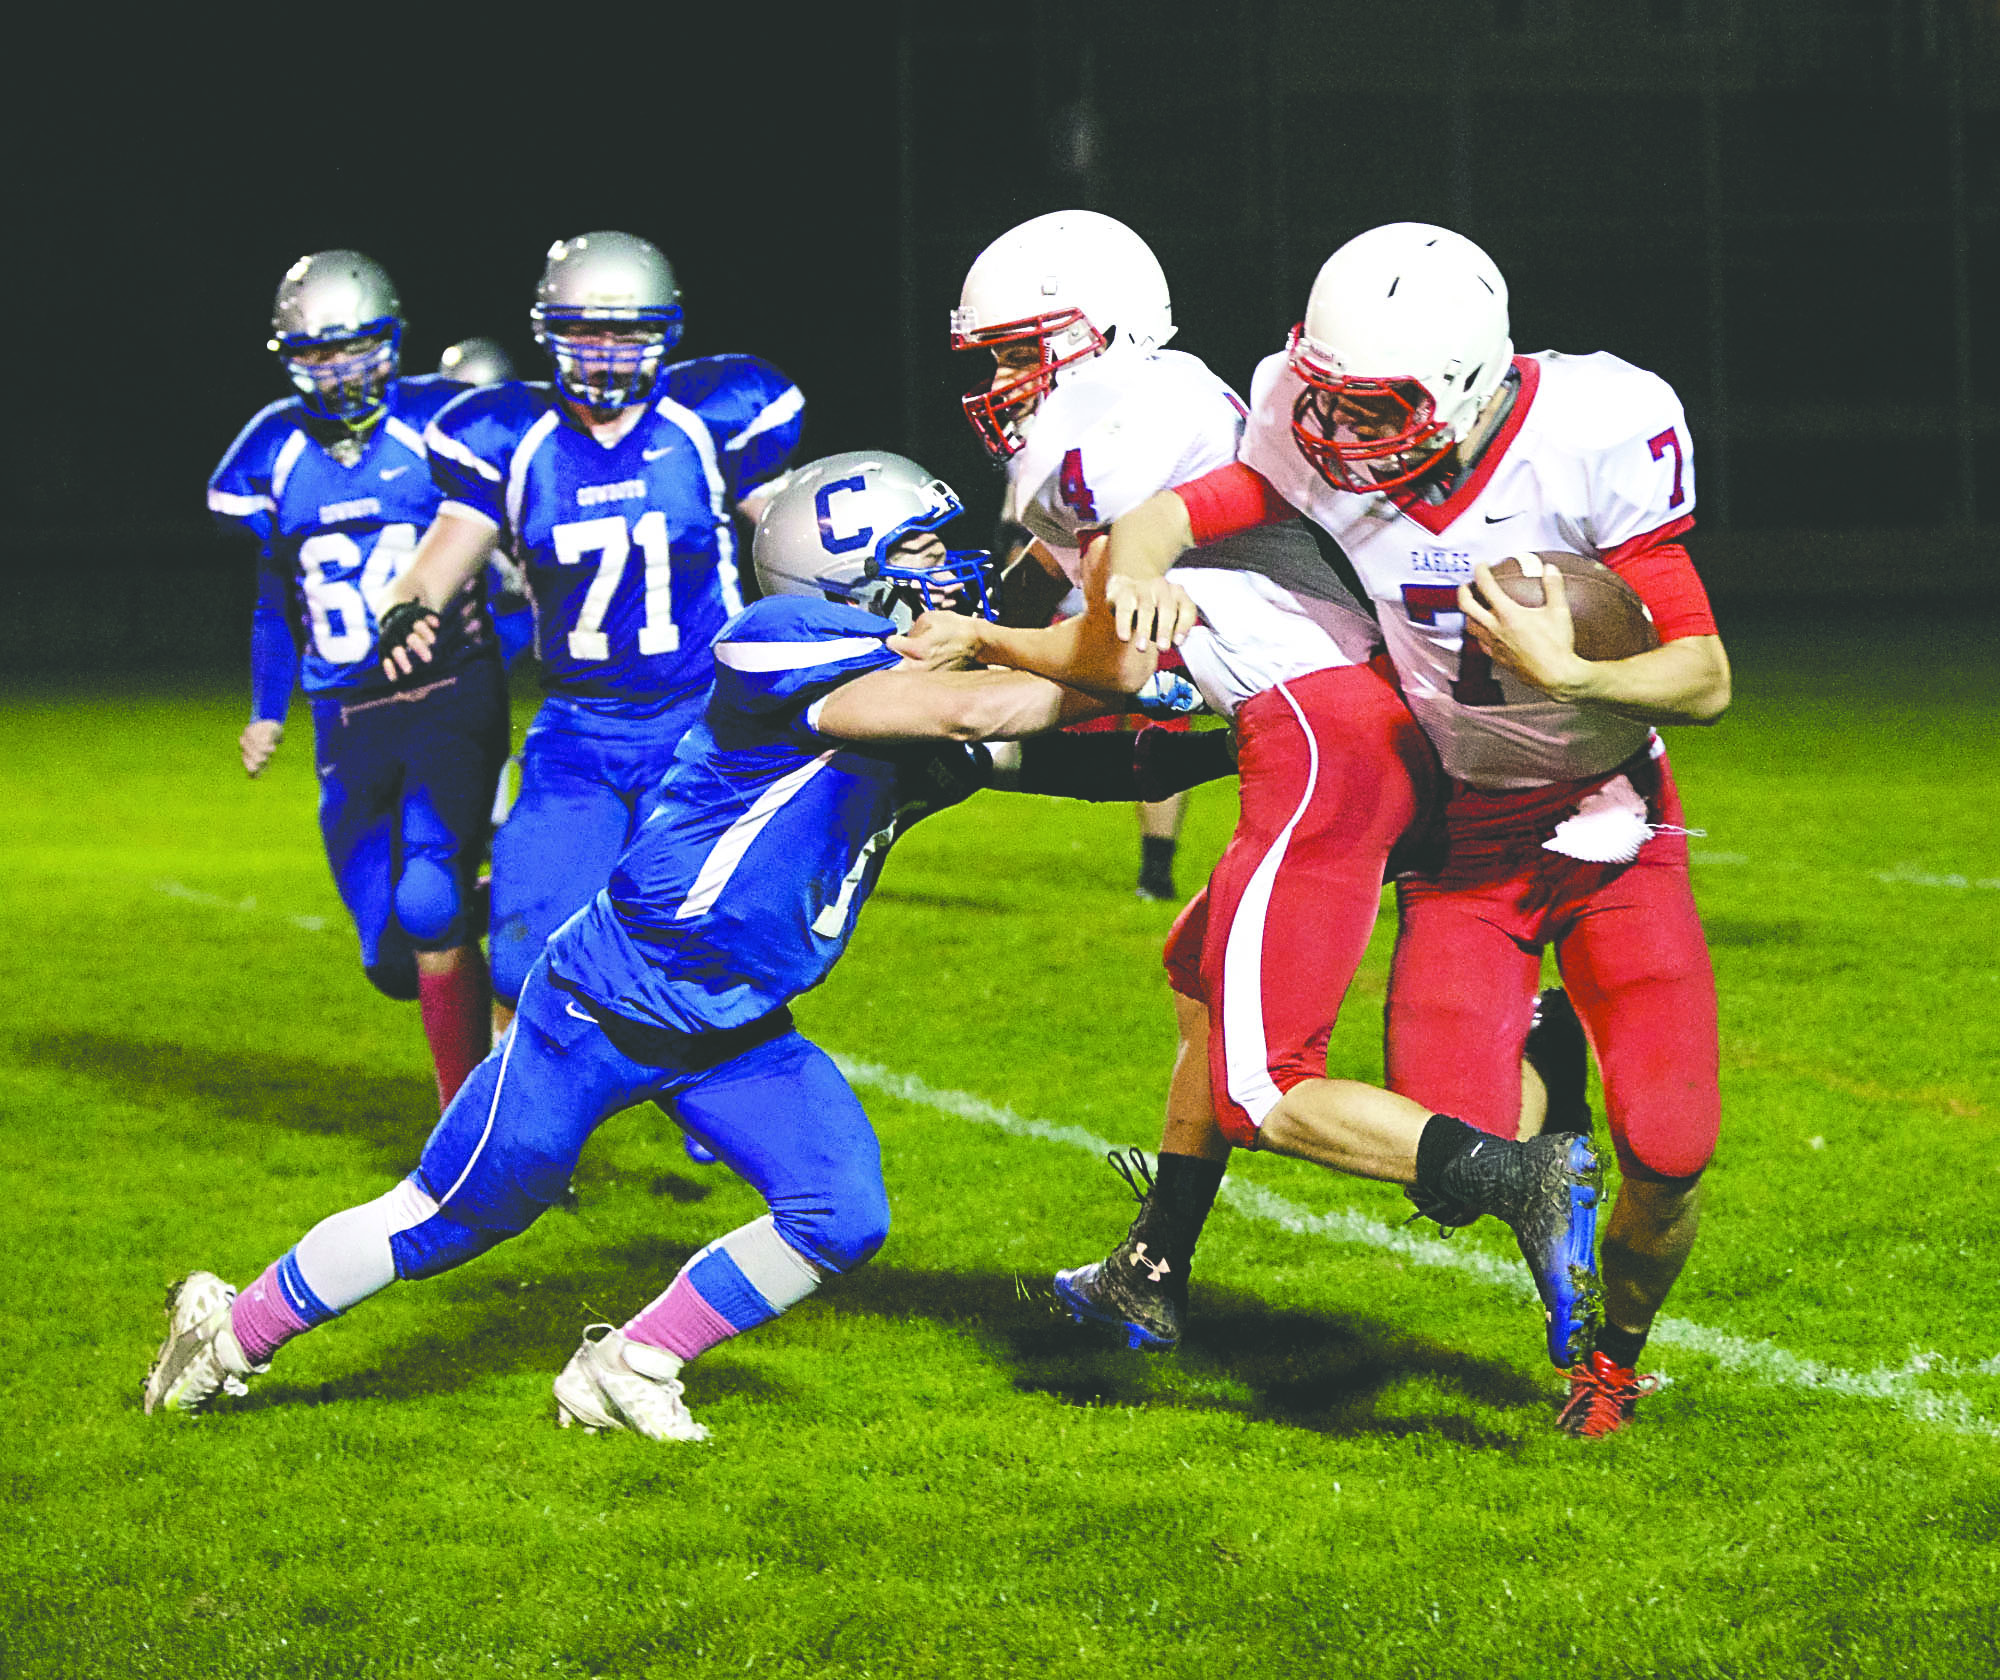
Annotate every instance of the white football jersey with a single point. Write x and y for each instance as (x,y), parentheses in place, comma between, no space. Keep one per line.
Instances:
(1122,428)
(1594,454)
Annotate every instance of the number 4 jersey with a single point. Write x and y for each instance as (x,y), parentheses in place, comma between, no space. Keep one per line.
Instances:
(628,548)
(1592,459)
(336,534)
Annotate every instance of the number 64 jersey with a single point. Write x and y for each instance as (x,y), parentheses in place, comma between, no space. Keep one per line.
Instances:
(629,549)
(1593,460)
(338,526)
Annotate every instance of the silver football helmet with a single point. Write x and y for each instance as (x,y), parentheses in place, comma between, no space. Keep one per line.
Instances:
(841,530)
(337,325)
(608,310)
(477,361)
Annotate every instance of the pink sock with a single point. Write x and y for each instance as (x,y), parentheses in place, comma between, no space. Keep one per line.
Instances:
(457,1007)
(263,1319)
(680,1322)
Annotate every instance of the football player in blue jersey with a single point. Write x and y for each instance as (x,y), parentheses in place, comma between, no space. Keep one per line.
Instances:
(335,484)
(819,746)
(615,487)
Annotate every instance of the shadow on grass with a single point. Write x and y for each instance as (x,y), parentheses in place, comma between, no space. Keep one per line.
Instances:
(1325,1372)
(391,1113)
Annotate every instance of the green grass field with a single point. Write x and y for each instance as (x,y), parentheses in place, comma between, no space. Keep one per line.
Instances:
(1349,1469)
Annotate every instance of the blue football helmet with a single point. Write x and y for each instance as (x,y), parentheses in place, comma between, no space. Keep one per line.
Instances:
(607,310)
(850,528)
(337,326)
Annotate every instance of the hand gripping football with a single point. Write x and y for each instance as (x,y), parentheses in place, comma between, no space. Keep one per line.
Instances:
(1611,621)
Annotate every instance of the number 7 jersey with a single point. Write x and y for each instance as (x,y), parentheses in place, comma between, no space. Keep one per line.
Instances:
(1592,460)
(629,548)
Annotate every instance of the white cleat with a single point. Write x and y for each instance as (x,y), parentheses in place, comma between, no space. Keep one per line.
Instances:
(200,1357)
(614,1382)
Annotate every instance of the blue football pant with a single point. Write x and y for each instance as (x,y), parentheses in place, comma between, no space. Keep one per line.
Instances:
(406,796)
(586,787)
(780,1115)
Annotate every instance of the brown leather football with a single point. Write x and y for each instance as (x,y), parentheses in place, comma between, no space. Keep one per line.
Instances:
(1611,621)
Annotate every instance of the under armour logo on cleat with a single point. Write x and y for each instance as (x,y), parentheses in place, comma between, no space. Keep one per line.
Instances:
(394,472)
(1155,1269)
(655,454)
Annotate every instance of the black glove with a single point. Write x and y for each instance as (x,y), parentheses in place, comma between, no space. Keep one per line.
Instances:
(392,631)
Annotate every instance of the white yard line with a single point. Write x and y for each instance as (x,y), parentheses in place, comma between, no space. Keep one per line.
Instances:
(243,906)
(1763,1362)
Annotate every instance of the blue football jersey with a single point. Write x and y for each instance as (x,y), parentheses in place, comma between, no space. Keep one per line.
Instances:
(629,549)
(338,536)
(741,890)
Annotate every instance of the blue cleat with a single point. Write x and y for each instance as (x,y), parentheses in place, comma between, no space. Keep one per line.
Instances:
(697,1151)
(1144,1317)
(1546,1190)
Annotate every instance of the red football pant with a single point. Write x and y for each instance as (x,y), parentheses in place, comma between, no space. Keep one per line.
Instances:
(1628,943)
(1333,769)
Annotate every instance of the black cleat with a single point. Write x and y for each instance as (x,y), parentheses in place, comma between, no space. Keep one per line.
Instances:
(1557,1050)
(1546,1190)
(1136,1290)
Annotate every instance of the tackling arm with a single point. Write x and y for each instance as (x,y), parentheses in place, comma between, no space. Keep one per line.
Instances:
(910,703)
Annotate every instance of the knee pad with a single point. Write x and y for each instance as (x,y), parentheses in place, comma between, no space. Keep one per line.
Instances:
(840,1231)
(439,1244)
(428,900)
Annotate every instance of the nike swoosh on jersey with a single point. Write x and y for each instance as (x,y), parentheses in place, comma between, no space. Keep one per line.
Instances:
(1499,518)
(654,454)
(394,472)
(570,1008)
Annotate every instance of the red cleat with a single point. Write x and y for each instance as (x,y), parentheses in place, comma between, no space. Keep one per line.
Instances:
(1602,1396)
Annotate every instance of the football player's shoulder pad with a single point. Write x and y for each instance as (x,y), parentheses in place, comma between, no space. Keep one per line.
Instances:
(1596,401)
(783,646)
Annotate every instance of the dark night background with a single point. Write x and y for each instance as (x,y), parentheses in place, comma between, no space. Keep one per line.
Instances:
(1789,208)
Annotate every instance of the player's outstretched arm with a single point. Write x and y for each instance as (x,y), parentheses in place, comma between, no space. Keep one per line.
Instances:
(1682,681)
(911,703)
(1086,652)
(450,556)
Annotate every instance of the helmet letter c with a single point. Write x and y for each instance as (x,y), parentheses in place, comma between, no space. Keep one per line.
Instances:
(823,506)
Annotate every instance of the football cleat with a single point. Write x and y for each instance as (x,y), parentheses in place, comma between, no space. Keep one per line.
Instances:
(616,1383)
(697,1151)
(1123,1294)
(1136,1290)
(1546,1189)
(1557,1051)
(1602,1397)
(200,1357)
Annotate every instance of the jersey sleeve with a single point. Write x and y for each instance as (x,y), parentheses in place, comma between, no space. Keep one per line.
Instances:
(755,413)
(274,648)
(1643,481)
(469,444)
(1230,500)
(239,490)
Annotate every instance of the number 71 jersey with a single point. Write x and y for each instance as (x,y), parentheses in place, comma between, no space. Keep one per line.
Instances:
(629,549)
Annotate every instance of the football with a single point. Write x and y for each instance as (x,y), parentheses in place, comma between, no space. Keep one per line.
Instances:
(1611,621)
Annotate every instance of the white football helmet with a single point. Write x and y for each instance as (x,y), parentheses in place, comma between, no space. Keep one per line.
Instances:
(1404,340)
(828,533)
(1072,283)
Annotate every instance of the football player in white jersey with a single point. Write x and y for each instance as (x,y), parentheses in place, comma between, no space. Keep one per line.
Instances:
(1401,422)
(1334,770)
(1091,414)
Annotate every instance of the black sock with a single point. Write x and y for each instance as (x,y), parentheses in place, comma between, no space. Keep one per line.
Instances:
(1621,1347)
(1184,1188)
(1444,1140)
(1156,858)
